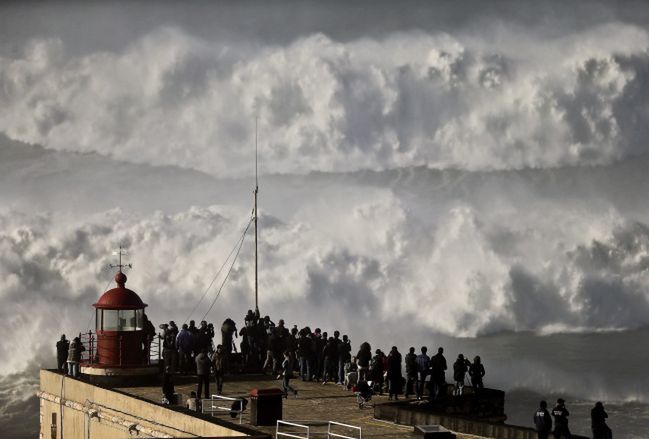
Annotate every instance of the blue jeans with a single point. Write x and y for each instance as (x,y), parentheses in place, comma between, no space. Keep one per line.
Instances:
(286,383)
(73,369)
(328,369)
(305,368)
(421,384)
(341,371)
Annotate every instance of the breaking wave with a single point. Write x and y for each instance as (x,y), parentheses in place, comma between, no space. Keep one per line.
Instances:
(408,99)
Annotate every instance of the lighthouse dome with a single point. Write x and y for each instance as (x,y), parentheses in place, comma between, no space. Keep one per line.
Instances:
(120,297)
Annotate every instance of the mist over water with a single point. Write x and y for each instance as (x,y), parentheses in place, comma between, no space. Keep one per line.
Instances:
(471,177)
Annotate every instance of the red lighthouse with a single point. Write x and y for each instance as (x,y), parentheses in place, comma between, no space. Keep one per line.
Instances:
(120,344)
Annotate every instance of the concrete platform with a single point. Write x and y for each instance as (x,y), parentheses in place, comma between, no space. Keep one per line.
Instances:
(315,402)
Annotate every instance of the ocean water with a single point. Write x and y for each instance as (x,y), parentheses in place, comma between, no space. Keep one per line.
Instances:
(581,368)
(611,367)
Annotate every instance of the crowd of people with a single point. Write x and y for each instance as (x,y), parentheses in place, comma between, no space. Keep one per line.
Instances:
(313,355)
(266,347)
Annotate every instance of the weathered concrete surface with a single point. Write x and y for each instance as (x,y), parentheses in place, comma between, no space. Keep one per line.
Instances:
(71,408)
(420,413)
(314,402)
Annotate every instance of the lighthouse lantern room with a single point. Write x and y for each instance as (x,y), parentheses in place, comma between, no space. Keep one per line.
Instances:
(120,344)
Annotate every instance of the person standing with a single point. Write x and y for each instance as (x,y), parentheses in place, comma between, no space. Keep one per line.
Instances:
(319,342)
(62,348)
(344,357)
(476,372)
(423,369)
(228,329)
(411,370)
(363,359)
(219,368)
(543,421)
(168,348)
(173,333)
(74,357)
(185,345)
(460,368)
(598,422)
(168,389)
(394,373)
(203,373)
(561,414)
(329,354)
(377,368)
(304,350)
(438,363)
(287,372)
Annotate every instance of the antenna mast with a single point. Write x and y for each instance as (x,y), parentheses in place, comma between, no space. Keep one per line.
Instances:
(256,191)
(120,253)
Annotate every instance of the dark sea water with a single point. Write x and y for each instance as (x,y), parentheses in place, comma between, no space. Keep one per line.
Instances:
(581,368)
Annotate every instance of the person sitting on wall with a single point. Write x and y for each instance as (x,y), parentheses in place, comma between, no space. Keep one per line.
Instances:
(192,402)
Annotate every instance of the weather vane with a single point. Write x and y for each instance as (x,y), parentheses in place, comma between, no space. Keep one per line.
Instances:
(120,253)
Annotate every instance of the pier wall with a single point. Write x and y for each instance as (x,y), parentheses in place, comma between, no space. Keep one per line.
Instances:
(74,409)
(406,415)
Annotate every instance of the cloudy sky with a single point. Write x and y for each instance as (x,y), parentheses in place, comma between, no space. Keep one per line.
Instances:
(451,169)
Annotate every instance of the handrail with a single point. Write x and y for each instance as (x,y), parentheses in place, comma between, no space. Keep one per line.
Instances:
(354,427)
(91,353)
(224,398)
(315,423)
(292,424)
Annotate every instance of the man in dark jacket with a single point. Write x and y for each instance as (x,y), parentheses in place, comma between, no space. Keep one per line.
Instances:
(74,357)
(203,338)
(304,351)
(460,367)
(273,349)
(543,421)
(329,354)
(423,369)
(377,369)
(319,342)
(363,358)
(476,372)
(185,346)
(219,368)
(168,348)
(598,422)
(394,373)
(344,356)
(228,329)
(561,414)
(411,371)
(62,348)
(203,373)
(438,363)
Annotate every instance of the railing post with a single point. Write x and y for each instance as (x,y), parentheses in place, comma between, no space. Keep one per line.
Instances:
(90,350)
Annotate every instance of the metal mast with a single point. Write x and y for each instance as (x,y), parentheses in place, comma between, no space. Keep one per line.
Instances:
(255,192)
